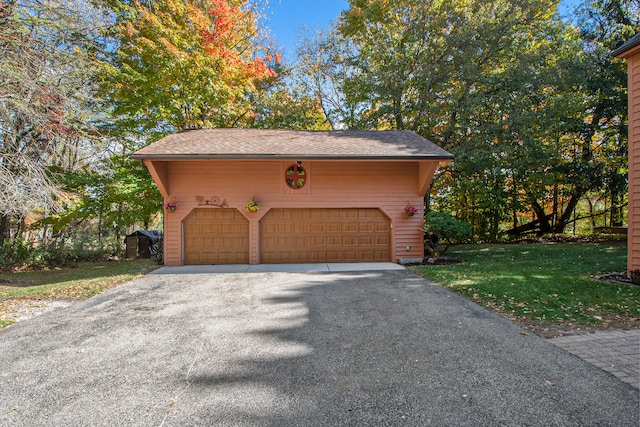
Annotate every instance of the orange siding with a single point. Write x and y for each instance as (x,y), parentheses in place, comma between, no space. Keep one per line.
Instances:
(386,185)
(634,162)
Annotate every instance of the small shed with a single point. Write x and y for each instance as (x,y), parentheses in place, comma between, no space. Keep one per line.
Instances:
(143,244)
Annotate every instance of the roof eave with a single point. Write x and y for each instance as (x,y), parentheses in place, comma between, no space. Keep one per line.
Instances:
(623,50)
(169,157)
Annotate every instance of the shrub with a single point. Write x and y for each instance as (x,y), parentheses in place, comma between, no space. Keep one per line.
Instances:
(442,231)
(15,252)
(18,253)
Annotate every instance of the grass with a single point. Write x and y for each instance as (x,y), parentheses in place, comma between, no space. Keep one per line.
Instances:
(83,281)
(543,282)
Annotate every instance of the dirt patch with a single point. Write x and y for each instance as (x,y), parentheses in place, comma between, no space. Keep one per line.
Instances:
(15,310)
(553,330)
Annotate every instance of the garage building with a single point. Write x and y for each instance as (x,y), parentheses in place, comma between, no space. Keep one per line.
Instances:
(250,196)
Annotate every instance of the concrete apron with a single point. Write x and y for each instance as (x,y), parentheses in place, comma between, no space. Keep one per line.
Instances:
(279,268)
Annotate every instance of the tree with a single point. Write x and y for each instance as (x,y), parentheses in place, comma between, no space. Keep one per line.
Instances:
(479,78)
(321,71)
(605,25)
(115,194)
(505,85)
(183,65)
(284,109)
(591,143)
(47,52)
(284,104)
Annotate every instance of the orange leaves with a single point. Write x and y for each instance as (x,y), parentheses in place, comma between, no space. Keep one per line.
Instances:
(260,70)
(189,63)
(129,29)
(226,34)
(276,58)
(224,17)
(220,37)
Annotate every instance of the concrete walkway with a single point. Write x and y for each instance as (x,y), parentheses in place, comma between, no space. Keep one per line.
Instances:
(616,352)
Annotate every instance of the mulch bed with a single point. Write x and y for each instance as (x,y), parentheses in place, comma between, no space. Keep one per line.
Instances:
(619,278)
(442,260)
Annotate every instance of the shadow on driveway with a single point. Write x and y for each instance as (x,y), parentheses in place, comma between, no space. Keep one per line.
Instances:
(361,348)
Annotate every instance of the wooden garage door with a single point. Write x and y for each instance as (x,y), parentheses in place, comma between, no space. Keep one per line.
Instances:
(324,235)
(216,236)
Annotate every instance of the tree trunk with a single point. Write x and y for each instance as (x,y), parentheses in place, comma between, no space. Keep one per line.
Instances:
(530,226)
(555,204)
(616,210)
(593,219)
(566,215)
(495,225)
(4,228)
(20,229)
(427,199)
(542,217)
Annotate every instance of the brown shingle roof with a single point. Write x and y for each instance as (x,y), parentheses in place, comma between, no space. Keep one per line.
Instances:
(261,144)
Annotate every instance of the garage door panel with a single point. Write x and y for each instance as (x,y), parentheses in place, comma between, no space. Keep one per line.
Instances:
(340,256)
(317,241)
(325,235)
(318,228)
(286,228)
(366,228)
(350,228)
(334,228)
(365,241)
(334,241)
(216,236)
(381,228)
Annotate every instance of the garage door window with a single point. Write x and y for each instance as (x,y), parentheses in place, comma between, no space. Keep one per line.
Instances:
(295,176)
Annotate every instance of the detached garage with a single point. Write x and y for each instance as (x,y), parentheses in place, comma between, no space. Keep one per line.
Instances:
(249,196)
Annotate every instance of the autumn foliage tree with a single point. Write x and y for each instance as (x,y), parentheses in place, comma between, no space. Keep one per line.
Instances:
(184,64)
(531,105)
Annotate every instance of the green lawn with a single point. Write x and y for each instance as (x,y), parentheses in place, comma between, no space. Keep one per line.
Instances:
(84,281)
(543,282)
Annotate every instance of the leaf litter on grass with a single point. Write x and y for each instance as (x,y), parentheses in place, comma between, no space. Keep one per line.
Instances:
(28,294)
(543,286)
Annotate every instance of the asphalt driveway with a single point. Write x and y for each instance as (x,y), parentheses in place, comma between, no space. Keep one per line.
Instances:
(275,349)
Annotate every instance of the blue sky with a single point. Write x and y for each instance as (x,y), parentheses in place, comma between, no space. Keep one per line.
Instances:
(286,18)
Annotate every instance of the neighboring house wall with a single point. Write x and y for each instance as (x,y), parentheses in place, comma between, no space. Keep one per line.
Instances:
(387,185)
(634,161)
(631,52)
